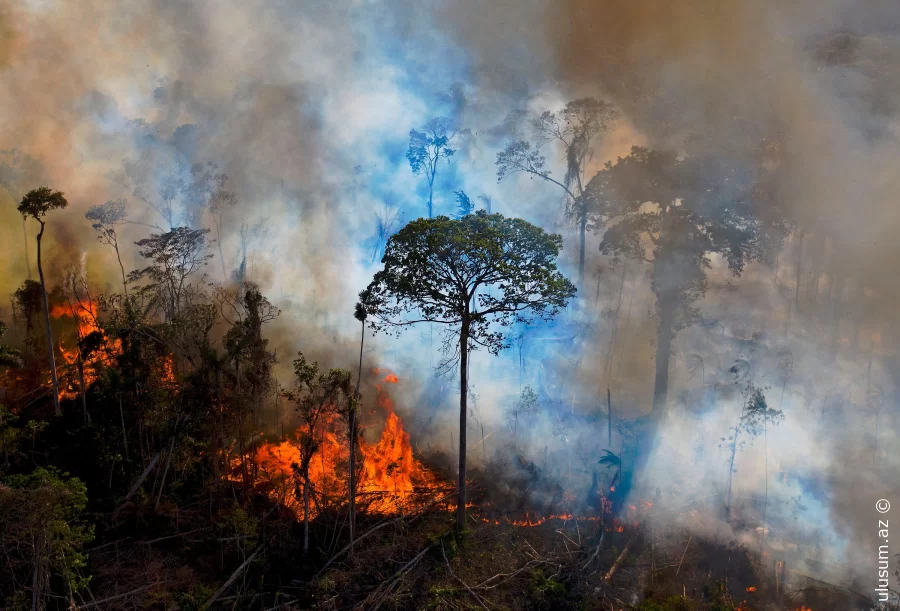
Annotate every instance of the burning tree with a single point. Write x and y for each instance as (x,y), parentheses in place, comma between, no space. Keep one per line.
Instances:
(318,396)
(36,204)
(439,270)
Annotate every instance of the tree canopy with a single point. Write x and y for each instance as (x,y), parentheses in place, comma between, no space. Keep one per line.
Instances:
(436,270)
(38,202)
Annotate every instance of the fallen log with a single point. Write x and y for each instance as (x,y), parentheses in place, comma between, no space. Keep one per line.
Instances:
(620,559)
(137,484)
(231,580)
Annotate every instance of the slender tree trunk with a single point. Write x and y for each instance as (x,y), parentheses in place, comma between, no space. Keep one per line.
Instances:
(463,397)
(36,578)
(762,538)
(87,416)
(122,269)
(162,485)
(306,484)
(221,256)
(431,194)
(356,398)
(25,234)
(609,417)
(124,435)
(734,446)
(663,353)
(53,377)
(582,227)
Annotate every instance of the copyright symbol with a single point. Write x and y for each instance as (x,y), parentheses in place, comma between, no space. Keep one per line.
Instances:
(882,506)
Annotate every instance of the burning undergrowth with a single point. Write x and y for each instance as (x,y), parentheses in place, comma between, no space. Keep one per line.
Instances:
(391,478)
(395,478)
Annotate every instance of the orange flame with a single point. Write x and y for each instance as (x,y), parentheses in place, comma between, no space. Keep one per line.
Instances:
(390,477)
(85,316)
(751,589)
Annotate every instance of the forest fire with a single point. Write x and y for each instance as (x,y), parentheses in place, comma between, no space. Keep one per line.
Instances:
(391,478)
(87,355)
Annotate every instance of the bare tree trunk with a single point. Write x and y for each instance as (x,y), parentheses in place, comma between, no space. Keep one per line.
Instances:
(463,397)
(582,227)
(731,474)
(231,579)
(25,234)
(431,192)
(356,398)
(124,435)
(609,417)
(53,377)
(221,256)
(306,511)
(36,578)
(87,416)
(122,269)
(663,353)
(162,485)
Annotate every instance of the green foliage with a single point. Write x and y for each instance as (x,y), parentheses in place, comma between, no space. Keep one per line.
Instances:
(317,395)
(9,356)
(237,523)
(38,202)
(435,268)
(42,526)
(547,591)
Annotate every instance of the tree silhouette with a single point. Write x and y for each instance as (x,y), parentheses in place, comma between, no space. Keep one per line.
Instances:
(464,205)
(675,214)
(437,270)
(18,169)
(427,148)
(318,396)
(36,204)
(174,256)
(755,417)
(575,127)
(104,219)
(9,356)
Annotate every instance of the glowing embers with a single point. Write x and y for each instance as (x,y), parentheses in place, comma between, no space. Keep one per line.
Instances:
(391,480)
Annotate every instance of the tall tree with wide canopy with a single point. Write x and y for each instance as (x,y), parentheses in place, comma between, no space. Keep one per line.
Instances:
(676,213)
(36,204)
(439,270)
